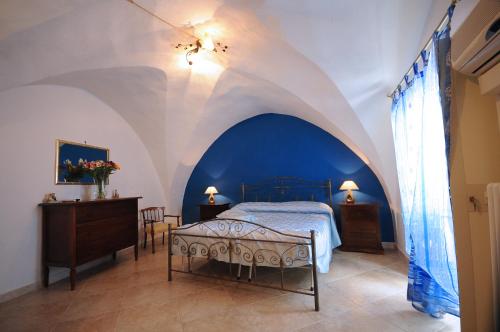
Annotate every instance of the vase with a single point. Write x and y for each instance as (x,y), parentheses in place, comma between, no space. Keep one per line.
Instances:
(100,192)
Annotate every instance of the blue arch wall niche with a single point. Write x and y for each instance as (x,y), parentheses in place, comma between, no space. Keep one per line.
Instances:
(272,145)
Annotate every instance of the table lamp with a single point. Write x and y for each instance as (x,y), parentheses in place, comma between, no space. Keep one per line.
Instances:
(211,191)
(349,185)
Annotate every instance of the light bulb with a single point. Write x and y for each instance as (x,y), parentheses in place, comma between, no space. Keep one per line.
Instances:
(206,42)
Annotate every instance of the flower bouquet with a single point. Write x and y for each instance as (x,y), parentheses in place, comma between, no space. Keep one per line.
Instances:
(100,170)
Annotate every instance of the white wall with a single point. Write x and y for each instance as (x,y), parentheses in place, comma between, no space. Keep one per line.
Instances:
(31,119)
(475,163)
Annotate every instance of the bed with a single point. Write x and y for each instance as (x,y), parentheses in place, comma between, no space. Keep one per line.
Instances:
(278,233)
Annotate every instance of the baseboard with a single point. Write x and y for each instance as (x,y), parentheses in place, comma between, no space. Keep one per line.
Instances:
(56,274)
(405,256)
(389,245)
(10,295)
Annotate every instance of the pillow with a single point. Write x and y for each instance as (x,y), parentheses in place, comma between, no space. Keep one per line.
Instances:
(292,207)
(236,214)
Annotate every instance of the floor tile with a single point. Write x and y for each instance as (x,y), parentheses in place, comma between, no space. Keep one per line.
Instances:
(149,317)
(369,286)
(397,310)
(101,323)
(353,320)
(87,306)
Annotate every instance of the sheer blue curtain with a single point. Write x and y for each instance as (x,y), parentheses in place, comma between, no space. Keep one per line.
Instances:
(420,129)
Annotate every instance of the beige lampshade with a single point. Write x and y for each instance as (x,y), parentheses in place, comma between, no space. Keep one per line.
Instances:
(211,190)
(349,185)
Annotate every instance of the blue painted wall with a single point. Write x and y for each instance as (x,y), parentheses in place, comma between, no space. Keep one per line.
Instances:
(272,145)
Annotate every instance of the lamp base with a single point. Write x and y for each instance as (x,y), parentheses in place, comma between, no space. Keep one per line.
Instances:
(211,199)
(349,198)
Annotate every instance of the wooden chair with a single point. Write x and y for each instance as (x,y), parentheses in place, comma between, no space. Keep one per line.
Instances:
(154,219)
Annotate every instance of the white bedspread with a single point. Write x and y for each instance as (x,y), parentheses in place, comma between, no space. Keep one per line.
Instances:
(287,218)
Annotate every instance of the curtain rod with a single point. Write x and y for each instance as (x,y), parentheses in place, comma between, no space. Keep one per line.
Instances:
(443,21)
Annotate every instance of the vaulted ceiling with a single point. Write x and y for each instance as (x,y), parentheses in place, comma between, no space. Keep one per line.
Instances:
(329,62)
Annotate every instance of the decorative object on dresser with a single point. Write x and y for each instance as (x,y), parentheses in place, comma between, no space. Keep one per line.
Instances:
(349,185)
(360,228)
(70,157)
(100,171)
(211,191)
(75,233)
(210,211)
(154,219)
(50,197)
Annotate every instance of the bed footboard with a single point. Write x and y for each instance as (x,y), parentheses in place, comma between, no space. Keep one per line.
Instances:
(245,244)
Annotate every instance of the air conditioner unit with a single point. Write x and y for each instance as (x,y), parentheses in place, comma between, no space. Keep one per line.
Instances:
(478,51)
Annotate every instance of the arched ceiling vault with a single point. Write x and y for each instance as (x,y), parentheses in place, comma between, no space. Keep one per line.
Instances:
(237,97)
(327,62)
(115,86)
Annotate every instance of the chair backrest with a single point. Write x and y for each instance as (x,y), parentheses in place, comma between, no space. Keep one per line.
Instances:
(153,214)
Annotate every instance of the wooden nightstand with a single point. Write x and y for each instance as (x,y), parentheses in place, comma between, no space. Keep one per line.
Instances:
(208,211)
(360,228)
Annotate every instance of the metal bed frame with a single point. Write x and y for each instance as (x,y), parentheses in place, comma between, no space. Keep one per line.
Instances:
(281,188)
(233,239)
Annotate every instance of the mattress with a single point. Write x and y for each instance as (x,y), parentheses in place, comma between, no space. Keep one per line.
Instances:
(242,234)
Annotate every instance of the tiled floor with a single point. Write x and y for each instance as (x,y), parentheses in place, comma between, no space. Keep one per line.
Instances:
(361,293)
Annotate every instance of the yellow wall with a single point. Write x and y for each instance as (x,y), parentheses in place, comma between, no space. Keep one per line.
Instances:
(475,162)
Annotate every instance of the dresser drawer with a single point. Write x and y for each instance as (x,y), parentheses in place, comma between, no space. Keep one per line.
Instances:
(361,240)
(360,213)
(98,238)
(365,225)
(104,210)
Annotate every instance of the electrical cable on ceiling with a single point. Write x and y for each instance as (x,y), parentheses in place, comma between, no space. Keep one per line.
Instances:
(160,18)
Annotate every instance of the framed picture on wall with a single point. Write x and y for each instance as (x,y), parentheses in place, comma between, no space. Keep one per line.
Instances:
(70,155)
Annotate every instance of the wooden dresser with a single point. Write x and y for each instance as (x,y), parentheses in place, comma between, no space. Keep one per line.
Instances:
(75,233)
(360,228)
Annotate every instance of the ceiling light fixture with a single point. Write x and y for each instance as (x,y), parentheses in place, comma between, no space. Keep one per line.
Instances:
(205,43)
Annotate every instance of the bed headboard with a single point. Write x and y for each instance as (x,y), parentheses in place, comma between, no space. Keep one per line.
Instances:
(287,188)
